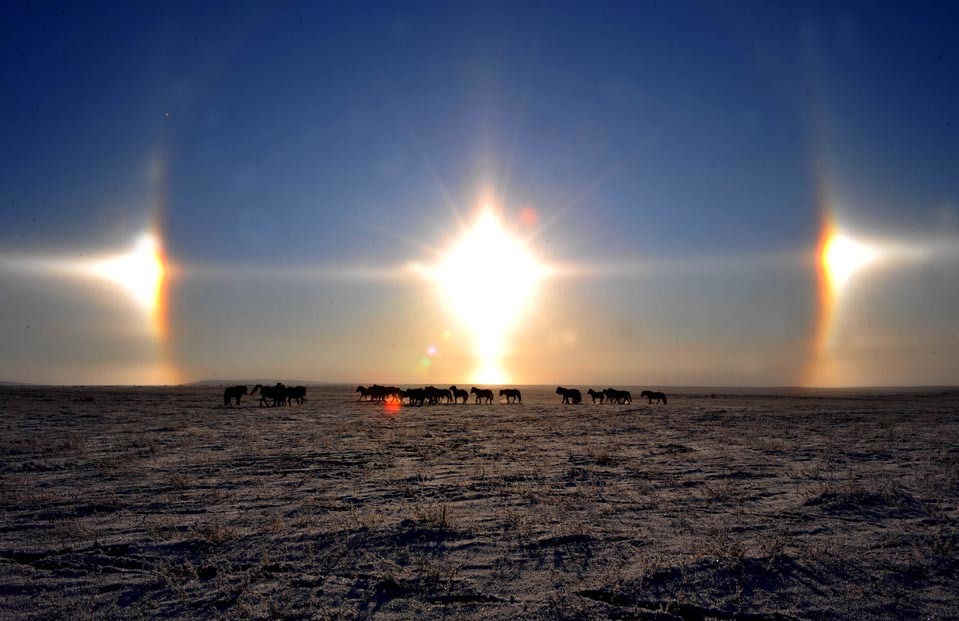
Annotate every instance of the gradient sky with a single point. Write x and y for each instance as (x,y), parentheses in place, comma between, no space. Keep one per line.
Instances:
(677,166)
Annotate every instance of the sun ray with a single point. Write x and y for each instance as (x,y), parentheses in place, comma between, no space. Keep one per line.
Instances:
(488,279)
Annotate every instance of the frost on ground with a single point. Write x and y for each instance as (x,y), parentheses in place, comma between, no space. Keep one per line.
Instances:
(162,503)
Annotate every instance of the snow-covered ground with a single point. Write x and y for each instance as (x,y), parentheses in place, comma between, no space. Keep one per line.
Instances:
(162,503)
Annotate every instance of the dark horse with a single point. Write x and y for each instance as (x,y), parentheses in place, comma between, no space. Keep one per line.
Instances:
(459,393)
(296,392)
(417,396)
(570,395)
(267,393)
(233,392)
(482,393)
(617,396)
(596,395)
(435,395)
(512,395)
(364,392)
(658,396)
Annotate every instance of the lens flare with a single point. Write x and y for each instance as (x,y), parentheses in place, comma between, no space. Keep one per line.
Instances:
(391,407)
(489,279)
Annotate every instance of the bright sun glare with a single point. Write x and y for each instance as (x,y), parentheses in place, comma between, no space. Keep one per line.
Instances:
(141,271)
(843,257)
(501,277)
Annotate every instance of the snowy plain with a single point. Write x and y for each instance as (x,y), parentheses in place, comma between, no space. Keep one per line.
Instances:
(120,503)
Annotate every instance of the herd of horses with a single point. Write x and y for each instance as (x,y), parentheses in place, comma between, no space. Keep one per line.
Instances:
(270,396)
(609,395)
(432,395)
(279,394)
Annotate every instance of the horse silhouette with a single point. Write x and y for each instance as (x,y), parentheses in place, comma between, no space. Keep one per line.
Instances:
(570,395)
(377,392)
(658,396)
(417,396)
(459,393)
(435,394)
(275,393)
(617,396)
(390,393)
(233,392)
(596,395)
(512,395)
(482,393)
(296,392)
(364,392)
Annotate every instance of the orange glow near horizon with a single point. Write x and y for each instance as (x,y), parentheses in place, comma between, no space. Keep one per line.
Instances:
(489,279)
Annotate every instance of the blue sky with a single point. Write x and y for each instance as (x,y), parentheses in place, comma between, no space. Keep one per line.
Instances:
(698,144)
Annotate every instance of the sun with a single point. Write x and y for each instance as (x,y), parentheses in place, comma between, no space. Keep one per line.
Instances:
(489,279)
